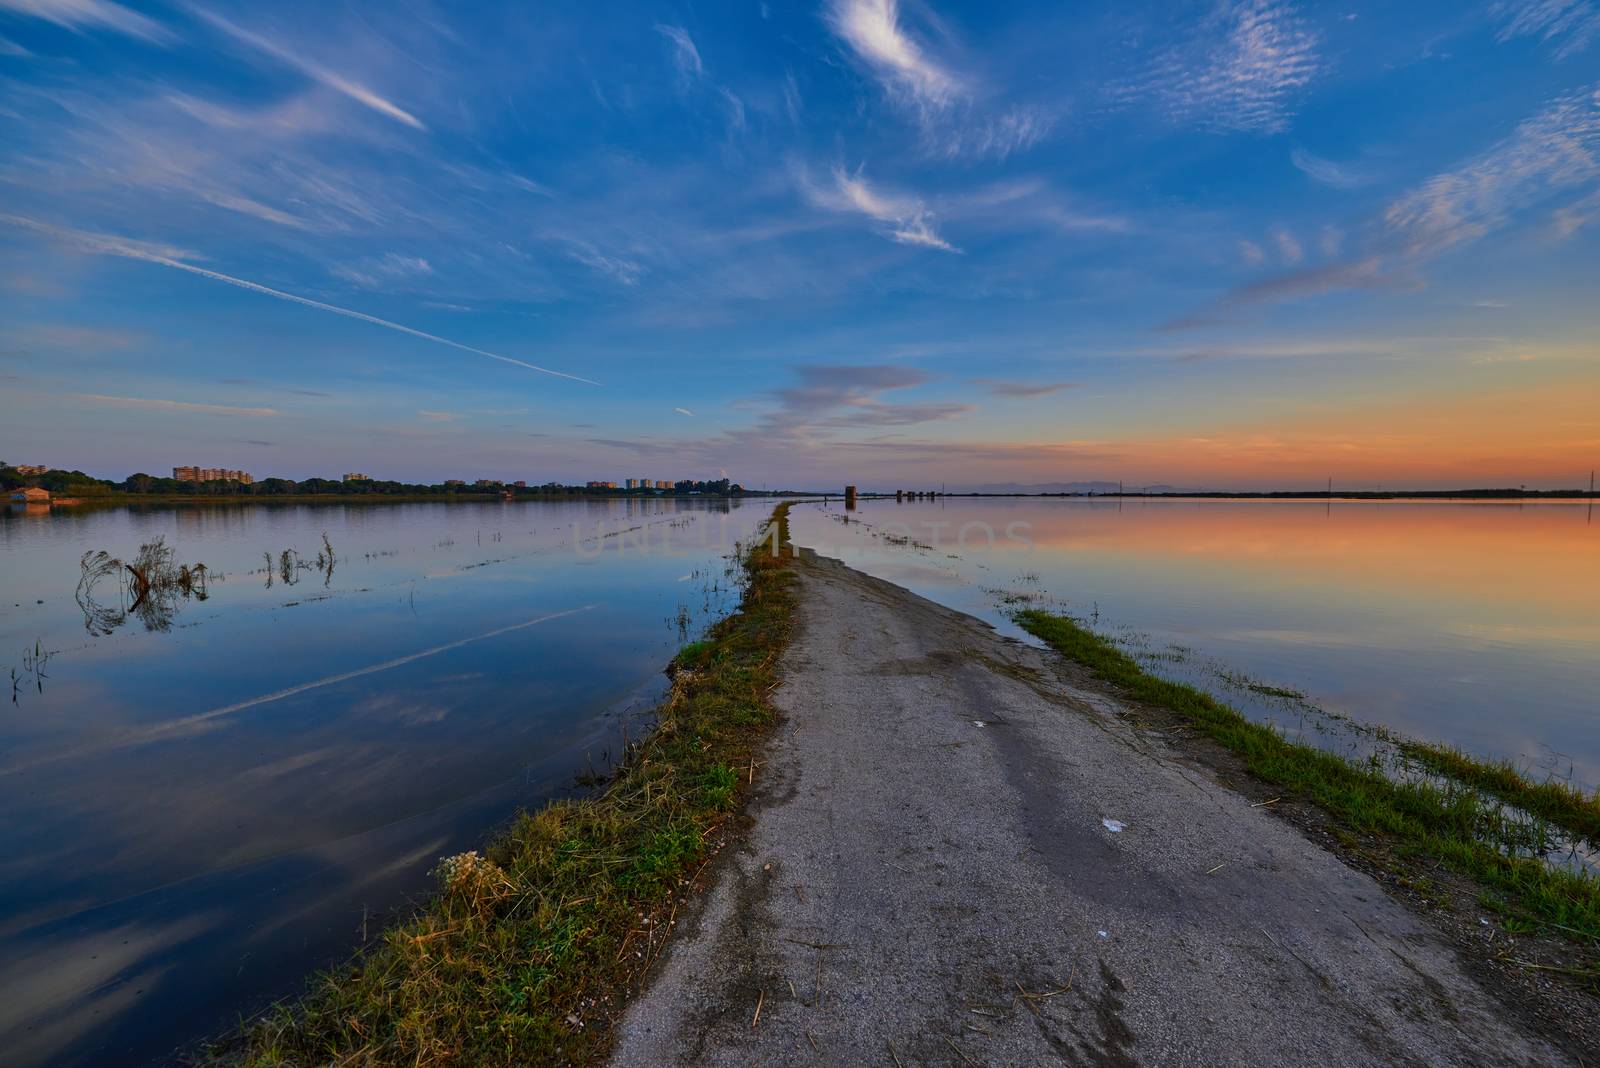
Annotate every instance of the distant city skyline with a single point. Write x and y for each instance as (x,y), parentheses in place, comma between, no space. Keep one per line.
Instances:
(1239,244)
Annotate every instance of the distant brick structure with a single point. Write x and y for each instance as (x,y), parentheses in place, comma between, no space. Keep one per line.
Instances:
(211,474)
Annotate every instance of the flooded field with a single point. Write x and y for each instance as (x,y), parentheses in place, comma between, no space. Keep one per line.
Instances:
(1471,624)
(234,744)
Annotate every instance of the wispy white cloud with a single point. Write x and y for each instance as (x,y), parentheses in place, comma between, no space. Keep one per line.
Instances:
(250,206)
(684,53)
(1326,171)
(173,150)
(736,121)
(956,112)
(683,411)
(162,255)
(109,244)
(1556,150)
(530,186)
(1569,25)
(391,266)
(1240,71)
(996,136)
(296,115)
(872,30)
(1288,247)
(692,74)
(1279,247)
(919,231)
(1081,221)
(907,219)
(793,103)
(624,270)
(81,15)
(9,47)
(1331,242)
(311,69)
(435,416)
(1568,220)
(157,404)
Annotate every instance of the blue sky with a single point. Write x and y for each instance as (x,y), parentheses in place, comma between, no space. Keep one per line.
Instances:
(1239,243)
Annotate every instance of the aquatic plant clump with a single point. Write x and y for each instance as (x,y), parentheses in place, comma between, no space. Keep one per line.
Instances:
(149,587)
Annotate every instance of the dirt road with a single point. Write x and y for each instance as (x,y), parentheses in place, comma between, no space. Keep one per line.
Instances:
(960,858)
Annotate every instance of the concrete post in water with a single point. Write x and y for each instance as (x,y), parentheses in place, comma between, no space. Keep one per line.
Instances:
(850,498)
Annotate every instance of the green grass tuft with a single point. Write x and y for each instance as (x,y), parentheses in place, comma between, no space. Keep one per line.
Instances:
(720,785)
(695,654)
(1556,802)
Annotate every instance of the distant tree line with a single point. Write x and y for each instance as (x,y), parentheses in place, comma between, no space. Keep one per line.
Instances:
(59,483)
(78,484)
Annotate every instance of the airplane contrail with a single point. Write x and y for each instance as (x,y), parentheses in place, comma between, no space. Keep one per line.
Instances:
(277,695)
(134,250)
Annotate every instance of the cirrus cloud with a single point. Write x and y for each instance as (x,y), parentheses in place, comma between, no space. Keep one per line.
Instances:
(1555,150)
(1239,70)
(907,219)
(81,15)
(872,30)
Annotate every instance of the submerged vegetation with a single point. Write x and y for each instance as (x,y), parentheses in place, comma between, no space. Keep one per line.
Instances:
(1558,803)
(34,661)
(1484,821)
(149,587)
(154,584)
(288,564)
(522,954)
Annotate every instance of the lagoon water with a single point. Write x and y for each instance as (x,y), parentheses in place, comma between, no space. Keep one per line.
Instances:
(207,799)
(1476,624)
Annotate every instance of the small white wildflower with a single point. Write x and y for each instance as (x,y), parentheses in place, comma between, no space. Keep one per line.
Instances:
(468,871)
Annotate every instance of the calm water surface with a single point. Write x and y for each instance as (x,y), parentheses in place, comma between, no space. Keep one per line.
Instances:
(1475,624)
(206,799)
